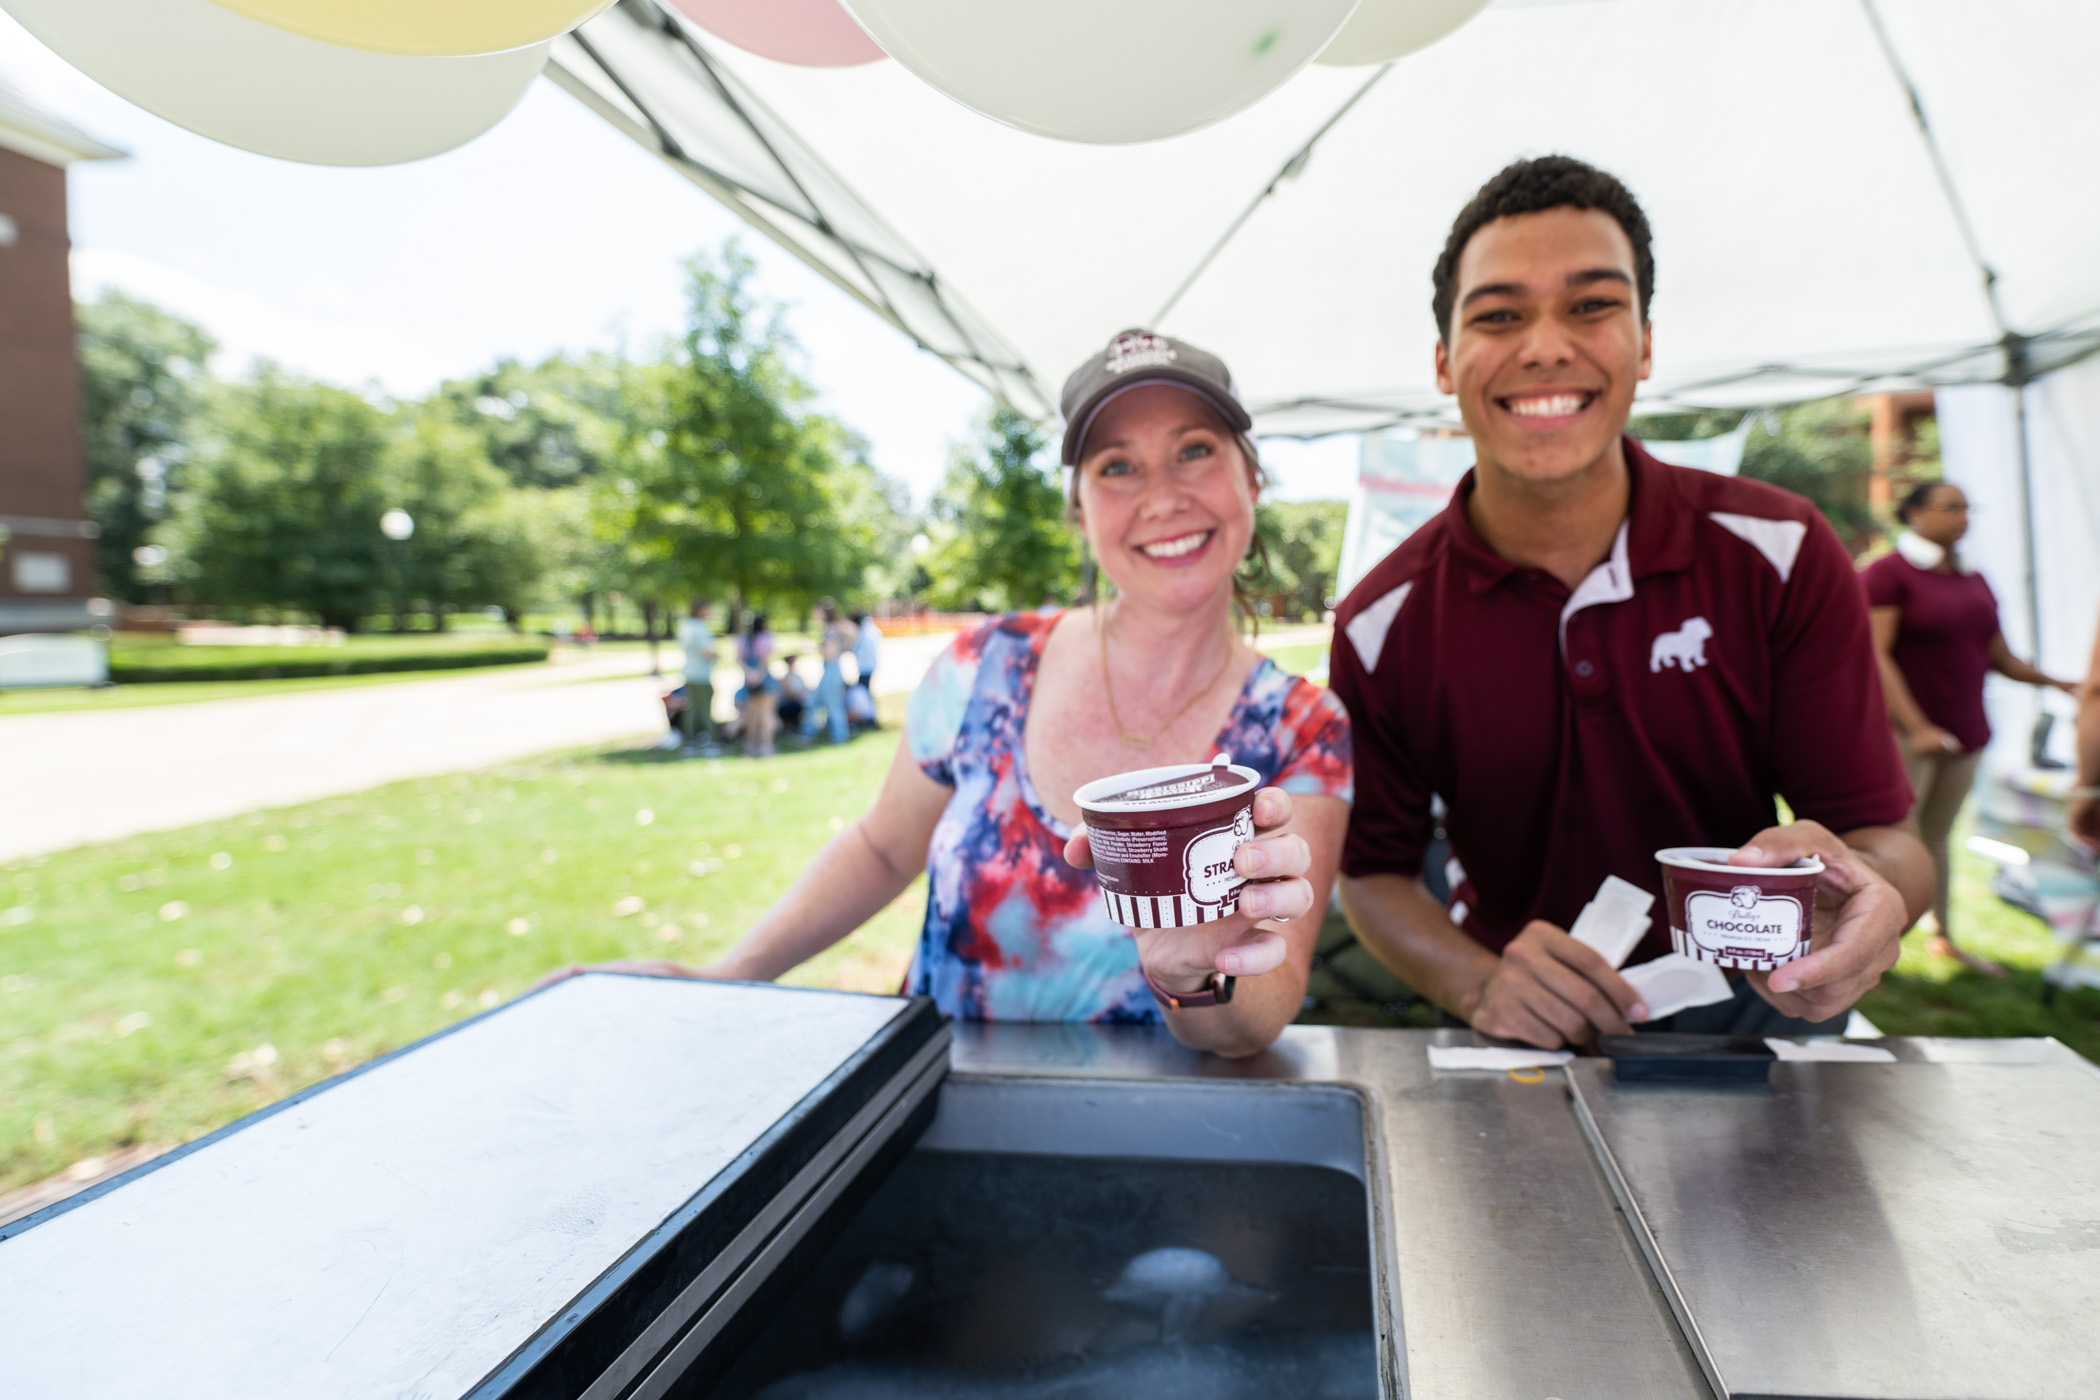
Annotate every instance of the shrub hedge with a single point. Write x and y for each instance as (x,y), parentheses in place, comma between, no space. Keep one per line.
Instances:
(144,665)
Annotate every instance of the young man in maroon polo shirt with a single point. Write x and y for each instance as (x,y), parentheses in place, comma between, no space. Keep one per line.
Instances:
(1591,655)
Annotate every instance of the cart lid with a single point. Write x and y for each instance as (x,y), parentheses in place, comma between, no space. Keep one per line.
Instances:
(454,1210)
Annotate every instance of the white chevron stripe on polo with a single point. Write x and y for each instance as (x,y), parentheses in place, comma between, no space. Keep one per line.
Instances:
(1778,540)
(1367,630)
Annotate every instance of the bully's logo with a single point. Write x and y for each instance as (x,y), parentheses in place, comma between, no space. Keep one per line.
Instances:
(1138,350)
(1685,648)
(1744,897)
(1208,866)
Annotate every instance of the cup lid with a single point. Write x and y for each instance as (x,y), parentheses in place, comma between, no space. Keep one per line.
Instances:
(1167,787)
(1714,860)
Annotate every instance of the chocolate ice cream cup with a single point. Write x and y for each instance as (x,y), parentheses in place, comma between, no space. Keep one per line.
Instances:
(1753,917)
(1163,840)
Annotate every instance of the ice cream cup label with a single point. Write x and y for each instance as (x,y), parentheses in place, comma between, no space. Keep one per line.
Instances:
(1744,923)
(1742,916)
(1212,877)
(1163,841)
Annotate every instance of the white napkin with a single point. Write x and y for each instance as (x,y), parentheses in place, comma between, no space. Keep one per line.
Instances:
(1615,921)
(1829,1050)
(1494,1057)
(1674,983)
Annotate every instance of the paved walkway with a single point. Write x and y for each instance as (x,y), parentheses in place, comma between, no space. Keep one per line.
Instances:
(72,778)
(77,777)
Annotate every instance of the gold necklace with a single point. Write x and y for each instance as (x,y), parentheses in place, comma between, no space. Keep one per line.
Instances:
(1108,685)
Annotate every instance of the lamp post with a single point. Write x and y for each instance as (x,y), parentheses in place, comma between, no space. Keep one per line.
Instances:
(398,525)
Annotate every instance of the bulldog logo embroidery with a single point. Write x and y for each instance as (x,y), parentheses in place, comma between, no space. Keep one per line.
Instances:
(1685,648)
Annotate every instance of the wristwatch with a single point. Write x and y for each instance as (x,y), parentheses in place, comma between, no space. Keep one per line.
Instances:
(1217,991)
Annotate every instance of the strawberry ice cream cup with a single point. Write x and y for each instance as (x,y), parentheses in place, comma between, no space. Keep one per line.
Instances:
(1750,917)
(1163,841)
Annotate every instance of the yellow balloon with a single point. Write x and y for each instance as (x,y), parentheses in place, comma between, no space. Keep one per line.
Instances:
(425,28)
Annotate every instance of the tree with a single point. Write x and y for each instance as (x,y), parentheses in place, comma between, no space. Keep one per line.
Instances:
(144,387)
(726,484)
(875,517)
(556,423)
(1820,449)
(280,509)
(464,545)
(1000,540)
(1303,540)
(529,549)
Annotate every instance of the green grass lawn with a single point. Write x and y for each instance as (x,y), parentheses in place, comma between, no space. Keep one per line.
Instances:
(153,989)
(1297,659)
(126,697)
(1926,995)
(129,697)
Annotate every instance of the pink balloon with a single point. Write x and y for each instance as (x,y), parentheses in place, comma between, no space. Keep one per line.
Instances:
(812,33)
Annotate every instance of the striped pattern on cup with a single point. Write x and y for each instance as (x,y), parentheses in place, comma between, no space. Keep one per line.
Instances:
(1682,942)
(1165,910)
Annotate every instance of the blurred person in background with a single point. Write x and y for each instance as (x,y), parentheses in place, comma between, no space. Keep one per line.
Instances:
(834,640)
(754,652)
(697,640)
(1937,637)
(2084,813)
(867,652)
(794,693)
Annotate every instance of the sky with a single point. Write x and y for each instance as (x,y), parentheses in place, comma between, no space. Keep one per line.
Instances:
(551,232)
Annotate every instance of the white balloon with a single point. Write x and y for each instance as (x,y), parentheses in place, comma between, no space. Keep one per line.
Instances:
(1103,71)
(262,89)
(1383,30)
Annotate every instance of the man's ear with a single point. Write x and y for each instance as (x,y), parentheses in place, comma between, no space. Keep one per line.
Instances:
(1445,384)
(1647,348)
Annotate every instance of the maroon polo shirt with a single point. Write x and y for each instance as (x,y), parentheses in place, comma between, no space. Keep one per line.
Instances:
(1720,656)
(1943,640)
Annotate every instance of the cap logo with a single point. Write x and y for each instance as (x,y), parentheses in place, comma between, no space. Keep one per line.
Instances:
(1138,350)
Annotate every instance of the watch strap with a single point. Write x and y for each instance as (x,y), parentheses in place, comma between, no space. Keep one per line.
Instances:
(1217,991)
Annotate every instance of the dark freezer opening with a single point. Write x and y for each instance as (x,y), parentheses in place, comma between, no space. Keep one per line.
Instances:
(987,1274)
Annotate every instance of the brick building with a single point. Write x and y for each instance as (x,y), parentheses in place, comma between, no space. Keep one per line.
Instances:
(47,558)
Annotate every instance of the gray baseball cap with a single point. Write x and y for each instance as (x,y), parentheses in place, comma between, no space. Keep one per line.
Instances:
(1137,357)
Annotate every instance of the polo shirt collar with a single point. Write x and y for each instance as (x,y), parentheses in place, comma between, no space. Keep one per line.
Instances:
(1921,553)
(1657,538)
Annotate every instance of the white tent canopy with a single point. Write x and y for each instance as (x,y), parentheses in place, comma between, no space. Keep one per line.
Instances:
(1807,242)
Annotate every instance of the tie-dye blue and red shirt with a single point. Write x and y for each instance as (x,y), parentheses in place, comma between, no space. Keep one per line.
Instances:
(1012,932)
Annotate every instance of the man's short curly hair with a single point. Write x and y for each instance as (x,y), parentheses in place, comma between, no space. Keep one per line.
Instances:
(1532,187)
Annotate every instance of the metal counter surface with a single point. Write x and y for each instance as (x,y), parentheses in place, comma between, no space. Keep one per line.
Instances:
(1507,1269)
(1926,1230)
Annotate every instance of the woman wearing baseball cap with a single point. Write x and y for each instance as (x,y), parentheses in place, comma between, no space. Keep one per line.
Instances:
(1021,711)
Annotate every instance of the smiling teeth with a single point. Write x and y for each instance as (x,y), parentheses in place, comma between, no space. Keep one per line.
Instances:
(1174,549)
(1558,406)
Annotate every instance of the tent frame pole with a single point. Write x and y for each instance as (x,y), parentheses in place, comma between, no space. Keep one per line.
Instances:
(2019,369)
(2018,375)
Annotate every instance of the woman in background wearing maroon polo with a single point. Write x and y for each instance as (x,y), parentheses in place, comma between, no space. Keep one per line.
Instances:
(1936,633)
(2083,816)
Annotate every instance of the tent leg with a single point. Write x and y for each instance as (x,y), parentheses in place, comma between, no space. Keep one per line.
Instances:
(2033,578)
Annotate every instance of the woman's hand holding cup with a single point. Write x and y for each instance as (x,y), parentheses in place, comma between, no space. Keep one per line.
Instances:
(1274,864)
